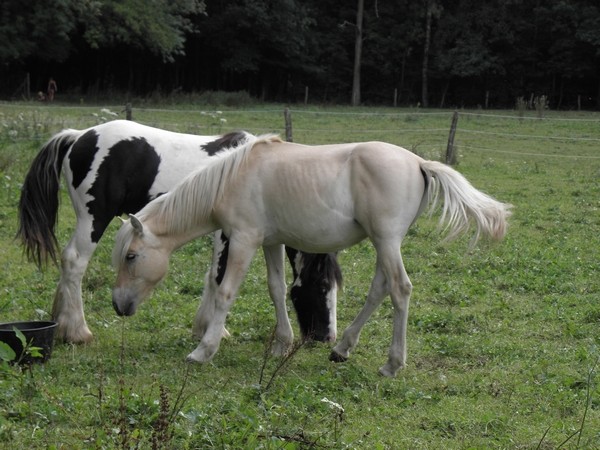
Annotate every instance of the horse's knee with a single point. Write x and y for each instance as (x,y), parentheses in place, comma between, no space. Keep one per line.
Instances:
(74,262)
(69,257)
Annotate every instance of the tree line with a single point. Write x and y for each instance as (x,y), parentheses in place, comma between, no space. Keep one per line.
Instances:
(433,53)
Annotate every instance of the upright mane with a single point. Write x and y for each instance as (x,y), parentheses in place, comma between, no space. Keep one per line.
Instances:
(194,198)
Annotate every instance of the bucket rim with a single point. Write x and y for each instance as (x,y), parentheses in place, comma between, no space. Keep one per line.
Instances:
(28,325)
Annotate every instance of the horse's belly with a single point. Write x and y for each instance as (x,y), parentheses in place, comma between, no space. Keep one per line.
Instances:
(318,236)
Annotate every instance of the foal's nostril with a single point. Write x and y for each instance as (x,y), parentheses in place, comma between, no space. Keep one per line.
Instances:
(117,309)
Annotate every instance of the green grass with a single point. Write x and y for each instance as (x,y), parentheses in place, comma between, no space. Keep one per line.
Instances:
(503,340)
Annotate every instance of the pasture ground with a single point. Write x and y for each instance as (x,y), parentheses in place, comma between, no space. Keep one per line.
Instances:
(503,340)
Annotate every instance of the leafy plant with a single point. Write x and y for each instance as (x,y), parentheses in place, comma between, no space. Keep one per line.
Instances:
(7,354)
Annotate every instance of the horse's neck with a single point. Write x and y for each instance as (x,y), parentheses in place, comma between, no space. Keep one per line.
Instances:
(173,241)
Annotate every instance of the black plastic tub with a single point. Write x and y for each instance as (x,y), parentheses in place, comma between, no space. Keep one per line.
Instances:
(37,333)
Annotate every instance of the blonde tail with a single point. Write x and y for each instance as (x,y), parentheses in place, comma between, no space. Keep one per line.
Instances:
(464,204)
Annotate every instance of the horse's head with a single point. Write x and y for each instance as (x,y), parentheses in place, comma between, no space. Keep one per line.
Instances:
(317,278)
(141,262)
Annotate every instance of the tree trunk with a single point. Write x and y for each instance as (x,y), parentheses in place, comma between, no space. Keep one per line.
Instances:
(402,71)
(443,100)
(428,16)
(357,54)
(598,95)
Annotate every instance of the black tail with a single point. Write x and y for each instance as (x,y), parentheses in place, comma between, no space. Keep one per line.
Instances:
(38,205)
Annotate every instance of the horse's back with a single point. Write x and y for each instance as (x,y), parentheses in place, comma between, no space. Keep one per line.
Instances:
(321,198)
(361,166)
(121,157)
(119,166)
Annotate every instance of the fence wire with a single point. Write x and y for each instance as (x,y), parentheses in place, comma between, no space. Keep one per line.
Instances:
(486,132)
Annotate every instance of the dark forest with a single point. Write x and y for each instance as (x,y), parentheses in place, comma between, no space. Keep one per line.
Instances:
(432,53)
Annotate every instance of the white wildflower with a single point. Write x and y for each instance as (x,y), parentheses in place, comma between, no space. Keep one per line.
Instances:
(108,111)
(333,405)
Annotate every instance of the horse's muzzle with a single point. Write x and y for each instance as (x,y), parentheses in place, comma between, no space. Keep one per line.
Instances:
(326,336)
(123,308)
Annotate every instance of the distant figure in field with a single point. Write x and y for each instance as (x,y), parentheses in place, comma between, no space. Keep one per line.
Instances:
(52,89)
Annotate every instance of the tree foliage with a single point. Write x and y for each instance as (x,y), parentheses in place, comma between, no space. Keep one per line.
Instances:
(501,49)
(40,31)
(159,26)
(43,30)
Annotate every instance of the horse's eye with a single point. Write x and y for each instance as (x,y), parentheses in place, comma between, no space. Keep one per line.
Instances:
(130,257)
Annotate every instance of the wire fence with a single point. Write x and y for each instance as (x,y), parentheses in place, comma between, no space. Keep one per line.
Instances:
(573,135)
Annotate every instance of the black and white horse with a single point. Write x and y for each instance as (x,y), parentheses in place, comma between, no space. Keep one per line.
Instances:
(116,168)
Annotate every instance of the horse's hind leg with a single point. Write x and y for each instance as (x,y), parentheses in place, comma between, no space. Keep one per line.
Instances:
(67,309)
(390,277)
(400,290)
(377,292)
(284,335)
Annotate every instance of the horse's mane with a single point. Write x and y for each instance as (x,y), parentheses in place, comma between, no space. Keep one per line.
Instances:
(318,267)
(193,198)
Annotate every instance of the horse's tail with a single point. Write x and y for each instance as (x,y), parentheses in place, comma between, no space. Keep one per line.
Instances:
(38,205)
(464,204)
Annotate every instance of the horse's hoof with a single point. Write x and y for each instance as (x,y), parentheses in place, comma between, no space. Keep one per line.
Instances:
(336,357)
(81,336)
(388,371)
(202,354)
(191,360)
(280,349)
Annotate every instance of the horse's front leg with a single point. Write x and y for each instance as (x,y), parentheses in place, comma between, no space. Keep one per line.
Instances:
(212,279)
(284,335)
(239,259)
(67,309)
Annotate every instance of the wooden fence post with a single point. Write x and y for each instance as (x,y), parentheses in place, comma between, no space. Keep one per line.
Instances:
(128,111)
(305,95)
(450,150)
(288,125)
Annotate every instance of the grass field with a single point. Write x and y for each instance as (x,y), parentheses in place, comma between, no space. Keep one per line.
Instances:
(503,340)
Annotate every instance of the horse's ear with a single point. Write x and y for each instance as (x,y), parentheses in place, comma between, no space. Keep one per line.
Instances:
(136,224)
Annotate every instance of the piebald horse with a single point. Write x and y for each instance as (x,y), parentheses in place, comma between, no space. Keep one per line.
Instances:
(317,199)
(117,168)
